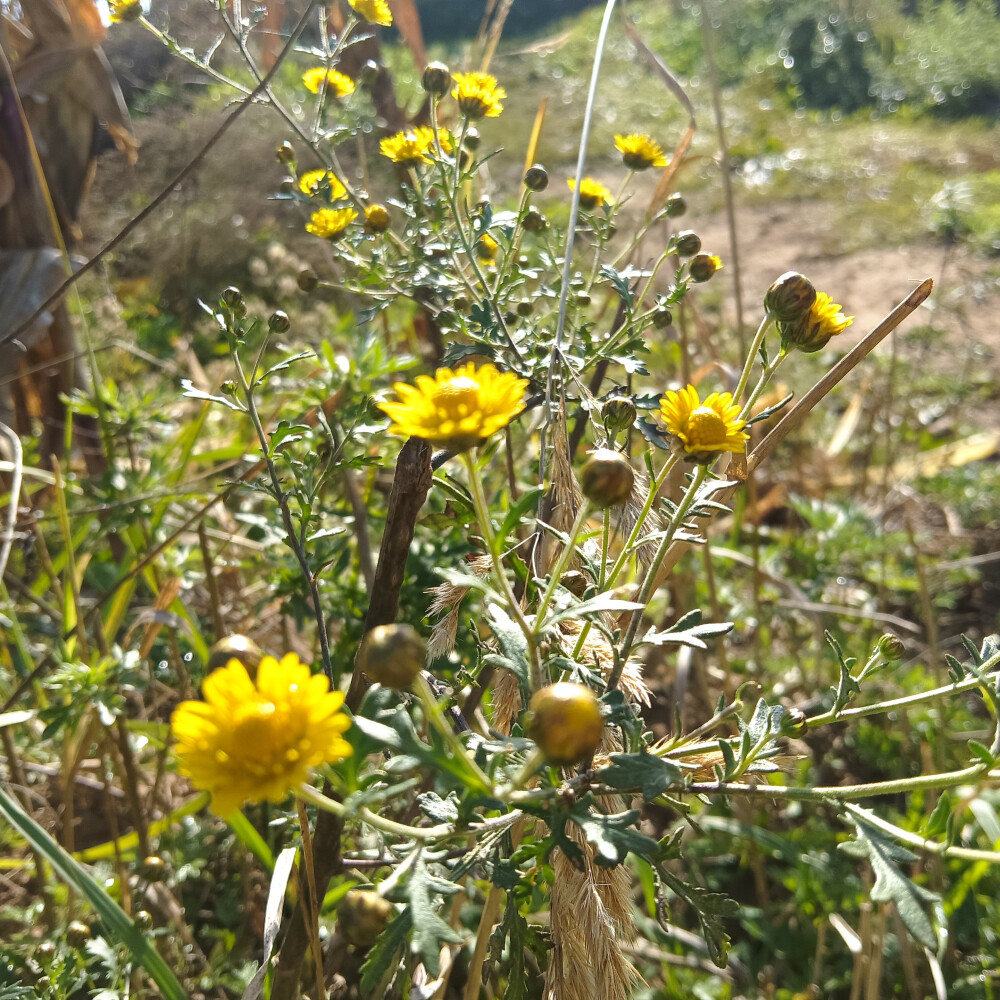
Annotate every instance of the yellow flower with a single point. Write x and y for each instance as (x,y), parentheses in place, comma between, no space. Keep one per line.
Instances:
(376,11)
(639,152)
(329,223)
(593,194)
(313,182)
(251,741)
(813,329)
(377,219)
(122,11)
(409,148)
(704,428)
(478,95)
(487,249)
(456,409)
(336,83)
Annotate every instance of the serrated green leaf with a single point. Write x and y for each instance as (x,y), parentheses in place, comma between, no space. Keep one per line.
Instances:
(891,885)
(651,774)
(384,955)
(612,836)
(437,809)
(429,930)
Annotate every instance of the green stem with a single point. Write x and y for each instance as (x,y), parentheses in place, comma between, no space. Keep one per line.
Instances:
(486,526)
(765,378)
(312,795)
(562,562)
(765,324)
(434,711)
(646,591)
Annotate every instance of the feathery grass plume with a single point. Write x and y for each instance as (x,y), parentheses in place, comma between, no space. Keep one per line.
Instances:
(507,702)
(448,598)
(590,915)
(598,651)
(566,496)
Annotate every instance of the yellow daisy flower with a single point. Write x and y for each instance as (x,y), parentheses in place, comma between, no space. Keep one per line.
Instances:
(456,409)
(337,83)
(250,741)
(593,194)
(478,95)
(375,11)
(813,329)
(314,182)
(639,152)
(410,148)
(329,223)
(122,11)
(704,428)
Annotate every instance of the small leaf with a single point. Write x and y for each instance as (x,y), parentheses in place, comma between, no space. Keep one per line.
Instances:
(937,822)
(651,774)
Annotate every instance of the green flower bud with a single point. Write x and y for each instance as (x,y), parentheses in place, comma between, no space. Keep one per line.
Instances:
(362,916)
(286,153)
(392,655)
(891,647)
(687,243)
(703,266)
(77,934)
(231,298)
(675,206)
(607,478)
(472,139)
(793,723)
(307,279)
(662,317)
(436,79)
(368,73)
(235,647)
(536,178)
(278,322)
(565,722)
(534,221)
(618,413)
(790,297)
(525,307)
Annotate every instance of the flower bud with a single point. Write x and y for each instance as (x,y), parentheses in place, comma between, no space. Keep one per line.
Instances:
(536,178)
(143,920)
(703,266)
(607,478)
(307,279)
(789,297)
(582,298)
(287,185)
(793,723)
(153,868)
(228,387)
(278,322)
(377,219)
(891,647)
(392,655)
(286,153)
(525,307)
(472,138)
(618,413)
(362,916)
(45,952)
(231,298)
(77,934)
(662,317)
(575,582)
(534,221)
(675,206)
(235,647)
(565,722)
(436,79)
(687,243)
(368,73)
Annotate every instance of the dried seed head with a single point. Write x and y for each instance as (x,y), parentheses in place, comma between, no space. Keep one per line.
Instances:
(392,655)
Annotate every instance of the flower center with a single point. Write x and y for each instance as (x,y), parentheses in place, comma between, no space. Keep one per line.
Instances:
(705,427)
(256,726)
(457,398)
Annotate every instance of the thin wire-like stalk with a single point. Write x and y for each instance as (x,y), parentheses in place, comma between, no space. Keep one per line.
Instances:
(574,212)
